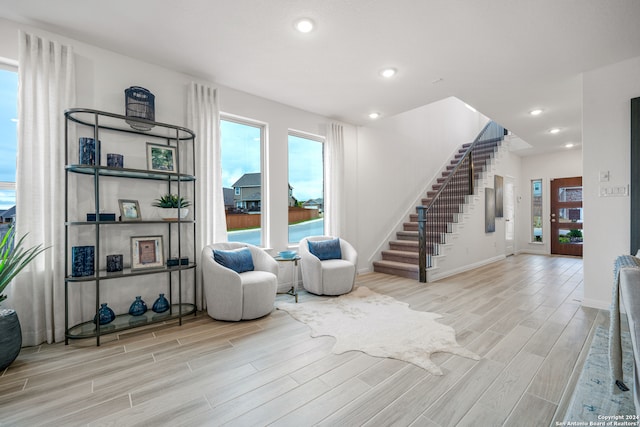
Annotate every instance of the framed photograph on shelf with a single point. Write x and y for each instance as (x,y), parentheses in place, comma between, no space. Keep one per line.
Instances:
(161,158)
(129,210)
(146,252)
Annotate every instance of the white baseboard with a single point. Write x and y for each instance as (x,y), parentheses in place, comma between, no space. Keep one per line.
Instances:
(365,270)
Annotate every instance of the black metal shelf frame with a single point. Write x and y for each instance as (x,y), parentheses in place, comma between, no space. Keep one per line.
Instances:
(176,136)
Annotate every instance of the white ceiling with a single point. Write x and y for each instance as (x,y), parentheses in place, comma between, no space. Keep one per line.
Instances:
(504,57)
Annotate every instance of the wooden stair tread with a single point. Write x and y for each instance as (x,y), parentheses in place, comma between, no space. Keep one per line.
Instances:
(397,265)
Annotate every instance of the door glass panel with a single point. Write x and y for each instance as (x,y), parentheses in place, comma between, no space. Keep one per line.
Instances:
(570,194)
(570,215)
(570,236)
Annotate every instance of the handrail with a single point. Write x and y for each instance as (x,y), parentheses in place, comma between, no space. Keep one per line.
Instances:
(451,190)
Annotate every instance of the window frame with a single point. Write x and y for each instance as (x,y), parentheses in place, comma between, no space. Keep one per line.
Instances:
(264,131)
(533,197)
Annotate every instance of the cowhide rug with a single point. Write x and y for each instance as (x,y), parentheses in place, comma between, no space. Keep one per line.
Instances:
(379,326)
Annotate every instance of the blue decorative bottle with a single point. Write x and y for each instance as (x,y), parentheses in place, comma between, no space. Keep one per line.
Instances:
(138,307)
(161,305)
(105,314)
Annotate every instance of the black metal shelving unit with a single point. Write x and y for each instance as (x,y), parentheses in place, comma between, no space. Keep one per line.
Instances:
(98,124)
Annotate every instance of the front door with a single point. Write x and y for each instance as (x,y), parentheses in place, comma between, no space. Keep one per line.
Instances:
(566,216)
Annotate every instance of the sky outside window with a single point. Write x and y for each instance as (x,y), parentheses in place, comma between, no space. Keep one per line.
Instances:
(240,151)
(306,173)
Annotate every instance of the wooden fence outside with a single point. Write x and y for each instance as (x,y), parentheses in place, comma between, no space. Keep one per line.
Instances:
(242,221)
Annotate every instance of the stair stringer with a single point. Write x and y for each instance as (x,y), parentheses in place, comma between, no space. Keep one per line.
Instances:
(468,246)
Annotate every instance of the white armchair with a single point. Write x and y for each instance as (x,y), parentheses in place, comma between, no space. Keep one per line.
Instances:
(239,296)
(330,276)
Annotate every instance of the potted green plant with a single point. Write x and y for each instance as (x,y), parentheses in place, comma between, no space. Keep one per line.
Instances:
(13,258)
(172,207)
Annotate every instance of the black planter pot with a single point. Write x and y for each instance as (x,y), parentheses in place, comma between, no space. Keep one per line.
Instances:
(10,337)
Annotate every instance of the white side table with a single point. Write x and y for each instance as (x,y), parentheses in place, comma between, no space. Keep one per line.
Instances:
(294,275)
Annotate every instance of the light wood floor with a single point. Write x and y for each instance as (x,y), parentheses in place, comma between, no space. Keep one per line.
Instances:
(523,315)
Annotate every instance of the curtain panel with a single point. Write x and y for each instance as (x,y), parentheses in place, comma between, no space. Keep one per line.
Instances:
(203,117)
(334,176)
(46,73)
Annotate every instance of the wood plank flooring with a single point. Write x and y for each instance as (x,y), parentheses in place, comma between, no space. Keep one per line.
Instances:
(523,315)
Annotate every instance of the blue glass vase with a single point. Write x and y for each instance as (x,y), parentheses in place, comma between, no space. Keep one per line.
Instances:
(105,314)
(161,305)
(138,307)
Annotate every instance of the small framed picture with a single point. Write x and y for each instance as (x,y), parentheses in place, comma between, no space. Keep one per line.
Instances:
(161,158)
(129,210)
(114,263)
(146,252)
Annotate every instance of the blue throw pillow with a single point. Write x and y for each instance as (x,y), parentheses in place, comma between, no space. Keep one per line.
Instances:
(239,260)
(326,249)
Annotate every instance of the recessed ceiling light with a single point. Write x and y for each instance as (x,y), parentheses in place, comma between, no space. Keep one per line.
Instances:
(568,145)
(554,130)
(387,73)
(535,112)
(304,25)
(374,116)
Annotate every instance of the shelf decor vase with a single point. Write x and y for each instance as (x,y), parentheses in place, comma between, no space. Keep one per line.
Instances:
(138,307)
(171,214)
(105,314)
(161,304)
(10,337)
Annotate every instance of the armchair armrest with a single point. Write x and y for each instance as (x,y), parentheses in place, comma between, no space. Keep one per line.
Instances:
(348,252)
(263,261)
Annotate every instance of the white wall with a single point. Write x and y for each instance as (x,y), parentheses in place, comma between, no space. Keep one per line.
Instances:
(606,146)
(560,164)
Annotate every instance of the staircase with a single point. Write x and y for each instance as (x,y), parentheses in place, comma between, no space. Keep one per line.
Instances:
(444,205)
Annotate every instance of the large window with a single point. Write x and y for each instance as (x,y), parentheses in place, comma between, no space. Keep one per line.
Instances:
(8,142)
(536,210)
(242,145)
(306,186)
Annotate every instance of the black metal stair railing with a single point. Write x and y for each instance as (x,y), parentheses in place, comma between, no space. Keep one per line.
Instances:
(442,206)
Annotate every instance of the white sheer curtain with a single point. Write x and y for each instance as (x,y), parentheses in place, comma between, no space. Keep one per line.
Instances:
(46,88)
(334,177)
(204,119)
